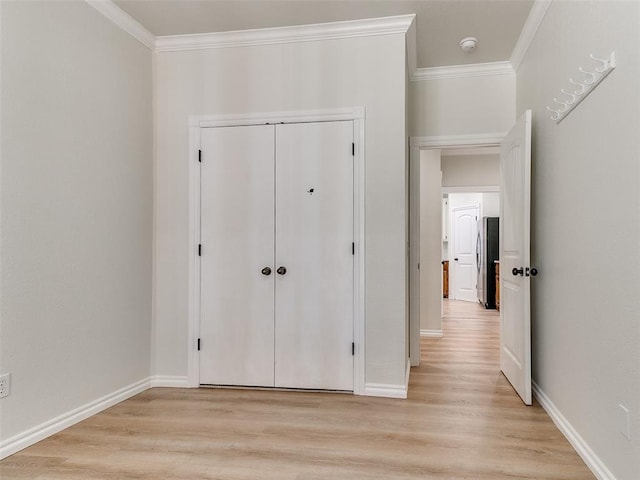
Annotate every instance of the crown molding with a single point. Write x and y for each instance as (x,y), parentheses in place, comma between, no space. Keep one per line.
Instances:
(298,33)
(536,15)
(412,49)
(462,71)
(124,21)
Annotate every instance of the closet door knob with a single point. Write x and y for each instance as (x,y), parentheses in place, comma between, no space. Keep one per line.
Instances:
(517,271)
(281,270)
(266,271)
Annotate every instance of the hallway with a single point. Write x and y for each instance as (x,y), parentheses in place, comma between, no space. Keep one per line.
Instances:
(462,420)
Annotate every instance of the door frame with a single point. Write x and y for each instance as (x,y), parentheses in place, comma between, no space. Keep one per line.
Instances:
(491,139)
(196,122)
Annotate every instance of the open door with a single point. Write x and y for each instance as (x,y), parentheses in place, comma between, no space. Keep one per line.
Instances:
(515,271)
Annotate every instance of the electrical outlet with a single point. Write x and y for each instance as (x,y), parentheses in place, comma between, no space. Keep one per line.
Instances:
(624,421)
(5,385)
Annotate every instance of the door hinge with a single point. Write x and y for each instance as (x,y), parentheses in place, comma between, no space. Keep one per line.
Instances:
(353,149)
(353,248)
(200,155)
(199,250)
(353,348)
(198,344)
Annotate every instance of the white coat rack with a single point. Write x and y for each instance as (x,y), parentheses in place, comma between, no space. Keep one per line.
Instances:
(589,81)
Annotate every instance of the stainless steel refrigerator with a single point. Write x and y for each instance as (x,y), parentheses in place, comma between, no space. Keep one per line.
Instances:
(487,252)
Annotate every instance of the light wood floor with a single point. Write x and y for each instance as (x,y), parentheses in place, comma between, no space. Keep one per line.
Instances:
(462,420)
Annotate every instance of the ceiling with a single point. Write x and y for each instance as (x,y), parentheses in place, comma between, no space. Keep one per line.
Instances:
(441,24)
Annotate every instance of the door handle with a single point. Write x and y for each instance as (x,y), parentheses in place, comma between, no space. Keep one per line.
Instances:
(455,259)
(517,271)
(533,271)
(266,271)
(281,270)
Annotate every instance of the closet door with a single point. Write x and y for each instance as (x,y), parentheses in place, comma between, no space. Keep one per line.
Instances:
(237,269)
(314,235)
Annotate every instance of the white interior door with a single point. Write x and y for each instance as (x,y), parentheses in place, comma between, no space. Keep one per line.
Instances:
(314,235)
(515,303)
(237,205)
(465,232)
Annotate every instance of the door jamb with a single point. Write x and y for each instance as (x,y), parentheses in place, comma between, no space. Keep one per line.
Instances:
(415,145)
(196,122)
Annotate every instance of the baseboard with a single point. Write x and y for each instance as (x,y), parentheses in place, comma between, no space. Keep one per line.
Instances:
(388,390)
(170,381)
(59,423)
(577,442)
(431,333)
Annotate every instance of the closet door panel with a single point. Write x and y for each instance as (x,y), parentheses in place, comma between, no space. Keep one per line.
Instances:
(314,235)
(237,236)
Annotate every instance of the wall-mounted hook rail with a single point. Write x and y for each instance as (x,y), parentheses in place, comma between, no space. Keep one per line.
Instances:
(590,80)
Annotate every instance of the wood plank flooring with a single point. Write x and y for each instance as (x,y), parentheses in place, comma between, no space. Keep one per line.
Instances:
(462,420)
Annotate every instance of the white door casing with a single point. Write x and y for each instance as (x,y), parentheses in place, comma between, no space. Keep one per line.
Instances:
(464,233)
(237,236)
(515,301)
(314,242)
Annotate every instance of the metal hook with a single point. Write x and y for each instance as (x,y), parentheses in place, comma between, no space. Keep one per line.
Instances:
(583,88)
(592,75)
(565,105)
(556,113)
(573,97)
(605,64)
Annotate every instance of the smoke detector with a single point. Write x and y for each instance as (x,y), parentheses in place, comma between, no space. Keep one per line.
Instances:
(468,44)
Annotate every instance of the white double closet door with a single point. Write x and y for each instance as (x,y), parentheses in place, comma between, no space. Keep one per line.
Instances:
(277,263)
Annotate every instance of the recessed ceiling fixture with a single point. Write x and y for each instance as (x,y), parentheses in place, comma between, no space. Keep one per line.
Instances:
(468,44)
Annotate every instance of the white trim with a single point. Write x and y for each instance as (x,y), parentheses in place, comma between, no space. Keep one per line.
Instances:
(297,33)
(355,114)
(528,32)
(412,50)
(59,423)
(431,333)
(414,256)
(462,71)
(449,152)
(385,390)
(583,449)
(170,381)
(472,189)
(204,121)
(193,327)
(457,141)
(124,21)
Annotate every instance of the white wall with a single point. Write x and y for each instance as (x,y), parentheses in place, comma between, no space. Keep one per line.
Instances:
(76,210)
(586,226)
(430,240)
(490,204)
(365,71)
(470,170)
(458,106)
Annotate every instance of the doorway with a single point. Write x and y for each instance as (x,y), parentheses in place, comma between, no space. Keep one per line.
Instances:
(440,170)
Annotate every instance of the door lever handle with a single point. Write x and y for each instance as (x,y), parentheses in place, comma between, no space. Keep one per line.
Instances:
(517,271)
(281,270)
